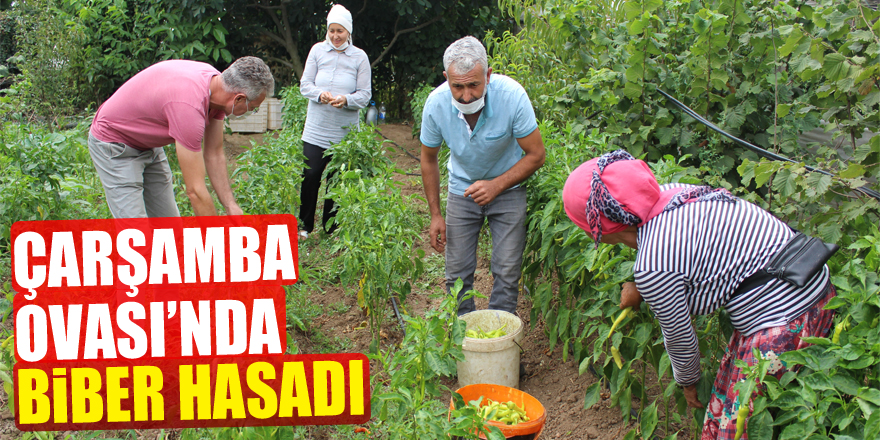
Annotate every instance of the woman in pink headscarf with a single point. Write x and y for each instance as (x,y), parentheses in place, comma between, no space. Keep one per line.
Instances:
(695,247)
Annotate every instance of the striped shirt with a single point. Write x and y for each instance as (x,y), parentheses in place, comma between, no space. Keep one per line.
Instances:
(690,261)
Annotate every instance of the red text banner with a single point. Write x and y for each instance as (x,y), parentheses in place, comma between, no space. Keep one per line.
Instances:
(167,323)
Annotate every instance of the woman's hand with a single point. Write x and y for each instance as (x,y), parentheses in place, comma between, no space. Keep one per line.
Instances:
(339,102)
(690,394)
(325,98)
(630,296)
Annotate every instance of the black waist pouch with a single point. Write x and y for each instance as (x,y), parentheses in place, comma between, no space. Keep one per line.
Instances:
(801,258)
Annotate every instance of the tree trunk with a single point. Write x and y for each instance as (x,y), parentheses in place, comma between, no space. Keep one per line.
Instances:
(284,37)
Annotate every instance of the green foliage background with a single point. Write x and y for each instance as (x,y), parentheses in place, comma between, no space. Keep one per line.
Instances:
(765,72)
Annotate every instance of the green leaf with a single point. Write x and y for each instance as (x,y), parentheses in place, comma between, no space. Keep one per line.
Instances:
(819,182)
(760,426)
(652,5)
(871,395)
(818,381)
(634,73)
(872,426)
(435,363)
(701,25)
(632,90)
(226,55)
(793,39)
(835,66)
(649,420)
(823,342)
(584,366)
(735,118)
(845,384)
(782,110)
(852,171)
(495,433)
(867,407)
(593,395)
(220,35)
(763,172)
(664,135)
(637,26)
(785,182)
(794,431)
(632,9)
(665,365)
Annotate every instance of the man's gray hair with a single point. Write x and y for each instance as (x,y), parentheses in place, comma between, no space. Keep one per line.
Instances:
(251,76)
(465,54)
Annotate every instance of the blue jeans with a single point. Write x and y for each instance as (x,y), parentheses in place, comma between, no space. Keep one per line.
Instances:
(507,222)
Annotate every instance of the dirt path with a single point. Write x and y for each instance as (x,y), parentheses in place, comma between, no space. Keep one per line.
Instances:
(555,383)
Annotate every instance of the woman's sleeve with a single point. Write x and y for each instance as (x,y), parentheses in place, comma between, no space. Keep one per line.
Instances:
(362,94)
(665,293)
(307,82)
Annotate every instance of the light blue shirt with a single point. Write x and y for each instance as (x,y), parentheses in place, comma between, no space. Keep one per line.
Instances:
(491,148)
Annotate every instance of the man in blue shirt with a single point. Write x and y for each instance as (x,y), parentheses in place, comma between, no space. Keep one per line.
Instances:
(489,125)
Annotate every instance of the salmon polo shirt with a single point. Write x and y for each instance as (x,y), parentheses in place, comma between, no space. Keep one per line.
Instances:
(163,103)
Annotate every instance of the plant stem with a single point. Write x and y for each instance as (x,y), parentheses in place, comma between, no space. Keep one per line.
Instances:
(775,85)
(644,395)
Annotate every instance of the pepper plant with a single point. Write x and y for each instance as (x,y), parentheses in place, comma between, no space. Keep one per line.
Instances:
(407,404)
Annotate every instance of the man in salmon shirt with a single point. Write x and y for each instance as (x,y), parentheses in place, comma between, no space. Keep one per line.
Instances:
(173,102)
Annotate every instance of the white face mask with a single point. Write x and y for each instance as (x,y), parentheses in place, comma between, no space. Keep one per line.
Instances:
(473,107)
(245,114)
(341,47)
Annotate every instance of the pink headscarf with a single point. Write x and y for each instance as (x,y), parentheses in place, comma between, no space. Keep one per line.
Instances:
(609,193)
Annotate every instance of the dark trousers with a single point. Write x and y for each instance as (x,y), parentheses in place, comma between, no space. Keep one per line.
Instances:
(311,184)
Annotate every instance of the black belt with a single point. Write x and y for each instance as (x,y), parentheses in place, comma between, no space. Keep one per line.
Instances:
(754,280)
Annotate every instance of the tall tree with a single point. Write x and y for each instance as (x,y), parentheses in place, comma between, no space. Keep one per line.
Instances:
(404,40)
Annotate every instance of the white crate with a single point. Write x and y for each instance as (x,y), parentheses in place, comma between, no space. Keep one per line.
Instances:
(255,123)
(273,107)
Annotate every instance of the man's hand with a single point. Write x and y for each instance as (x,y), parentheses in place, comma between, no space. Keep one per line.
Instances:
(483,192)
(437,233)
(234,210)
(630,296)
(339,102)
(690,393)
(325,97)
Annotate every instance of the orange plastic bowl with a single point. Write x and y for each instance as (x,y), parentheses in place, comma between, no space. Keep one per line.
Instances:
(533,408)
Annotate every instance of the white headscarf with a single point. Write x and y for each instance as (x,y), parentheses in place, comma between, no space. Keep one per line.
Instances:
(341,16)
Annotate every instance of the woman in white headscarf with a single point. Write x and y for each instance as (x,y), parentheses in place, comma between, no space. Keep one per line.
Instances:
(336,80)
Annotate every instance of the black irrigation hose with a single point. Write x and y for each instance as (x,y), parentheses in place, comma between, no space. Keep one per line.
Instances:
(758,150)
(397,313)
(398,146)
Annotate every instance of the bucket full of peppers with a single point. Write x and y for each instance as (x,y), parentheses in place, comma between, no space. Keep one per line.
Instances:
(516,413)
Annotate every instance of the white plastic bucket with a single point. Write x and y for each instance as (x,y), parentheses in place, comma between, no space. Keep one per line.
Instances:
(493,360)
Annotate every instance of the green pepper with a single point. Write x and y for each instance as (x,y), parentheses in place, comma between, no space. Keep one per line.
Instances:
(741,415)
(838,329)
(615,353)
(626,312)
